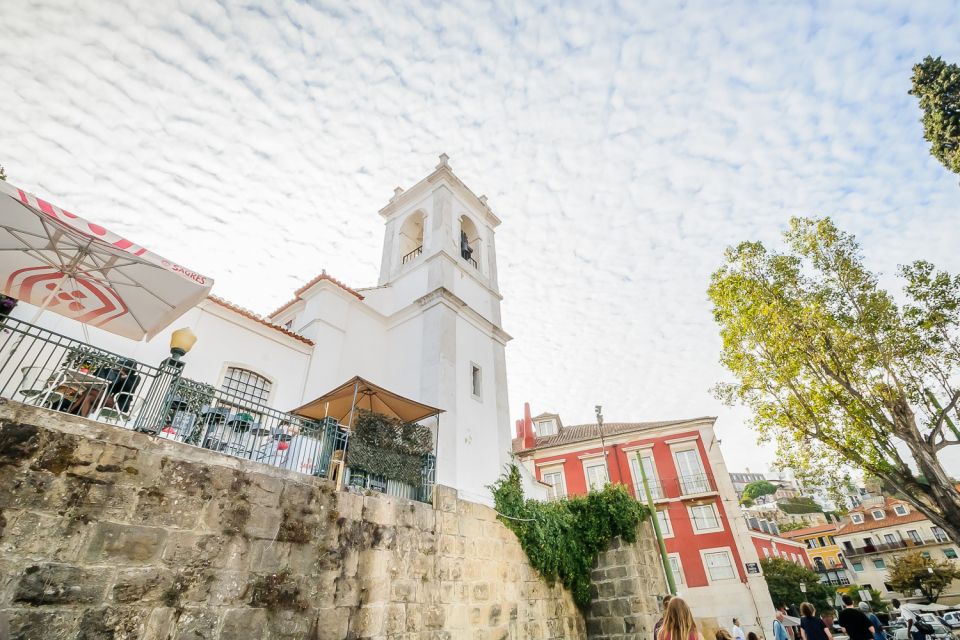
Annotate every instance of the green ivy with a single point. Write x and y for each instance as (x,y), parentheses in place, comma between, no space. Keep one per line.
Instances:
(562,538)
(388,447)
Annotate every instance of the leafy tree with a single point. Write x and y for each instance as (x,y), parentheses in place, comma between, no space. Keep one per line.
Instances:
(759,488)
(913,571)
(783,581)
(836,370)
(791,526)
(3,174)
(937,85)
(800,504)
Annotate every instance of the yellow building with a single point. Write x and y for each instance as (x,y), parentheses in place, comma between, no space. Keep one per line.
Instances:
(823,551)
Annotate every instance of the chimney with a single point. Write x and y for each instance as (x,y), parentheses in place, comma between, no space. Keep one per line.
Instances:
(528,437)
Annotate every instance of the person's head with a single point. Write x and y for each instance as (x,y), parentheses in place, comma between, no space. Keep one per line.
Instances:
(807,609)
(678,623)
(781,612)
(895,603)
(847,600)
(736,622)
(827,616)
(752,636)
(865,607)
(666,600)
(723,634)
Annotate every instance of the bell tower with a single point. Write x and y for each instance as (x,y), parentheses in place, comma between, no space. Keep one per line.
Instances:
(438,278)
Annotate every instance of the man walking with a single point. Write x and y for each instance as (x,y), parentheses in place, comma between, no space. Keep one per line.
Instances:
(779,629)
(855,622)
(737,631)
(878,632)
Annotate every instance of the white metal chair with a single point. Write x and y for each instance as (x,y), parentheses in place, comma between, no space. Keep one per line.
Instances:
(115,413)
(40,386)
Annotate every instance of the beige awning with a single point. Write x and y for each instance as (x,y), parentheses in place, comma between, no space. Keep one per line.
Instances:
(340,402)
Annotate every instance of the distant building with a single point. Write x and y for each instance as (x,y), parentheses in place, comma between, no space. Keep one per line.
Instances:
(882,528)
(823,552)
(741,480)
(713,555)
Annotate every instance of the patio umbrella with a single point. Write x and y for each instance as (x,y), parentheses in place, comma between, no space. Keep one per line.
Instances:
(56,260)
(358,393)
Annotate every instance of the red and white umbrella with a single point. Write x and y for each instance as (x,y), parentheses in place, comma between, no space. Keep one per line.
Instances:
(56,260)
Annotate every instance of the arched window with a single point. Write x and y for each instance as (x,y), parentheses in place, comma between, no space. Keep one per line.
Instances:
(411,237)
(246,385)
(469,241)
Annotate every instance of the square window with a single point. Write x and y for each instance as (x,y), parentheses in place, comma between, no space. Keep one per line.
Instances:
(554,478)
(858,566)
(856,518)
(900,510)
(878,514)
(476,382)
(939,534)
(879,563)
(950,553)
(915,536)
(704,517)
(719,566)
(596,473)
(545,428)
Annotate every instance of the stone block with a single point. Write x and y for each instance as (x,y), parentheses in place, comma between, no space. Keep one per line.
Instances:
(28,535)
(347,593)
(244,623)
(198,624)
(116,623)
(414,621)
(31,624)
(125,544)
(380,510)
(375,562)
(141,585)
(46,584)
(268,555)
(434,617)
(184,547)
(160,624)
(403,590)
(480,592)
(158,506)
(445,499)
(368,621)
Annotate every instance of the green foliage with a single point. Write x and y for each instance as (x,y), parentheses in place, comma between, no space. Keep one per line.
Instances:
(783,581)
(759,488)
(746,502)
(937,85)
(799,505)
(562,538)
(388,447)
(791,526)
(876,603)
(3,174)
(915,571)
(835,370)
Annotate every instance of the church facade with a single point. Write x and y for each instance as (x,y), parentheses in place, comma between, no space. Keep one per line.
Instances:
(429,330)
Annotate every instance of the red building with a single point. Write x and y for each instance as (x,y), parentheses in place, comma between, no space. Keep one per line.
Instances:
(713,557)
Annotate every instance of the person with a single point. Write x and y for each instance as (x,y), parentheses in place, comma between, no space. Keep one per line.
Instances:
(656,627)
(122,382)
(828,616)
(910,616)
(779,628)
(894,609)
(812,627)
(737,631)
(752,636)
(878,632)
(854,622)
(678,622)
(723,634)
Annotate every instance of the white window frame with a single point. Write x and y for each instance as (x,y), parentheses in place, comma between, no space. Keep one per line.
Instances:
(856,518)
(683,447)
(890,538)
(766,552)
(476,379)
(544,471)
(678,570)
(234,397)
(939,533)
(915,536)
(881,512)
(594,461)
(668,533)
(546,421)
(706,567)
(716,515)
(900,510)
(656,490)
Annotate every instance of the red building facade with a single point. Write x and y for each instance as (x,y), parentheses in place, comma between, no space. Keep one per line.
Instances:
(714,560)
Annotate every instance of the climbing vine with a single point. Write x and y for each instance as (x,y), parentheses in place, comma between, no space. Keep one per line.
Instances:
(562,538)
(389,447)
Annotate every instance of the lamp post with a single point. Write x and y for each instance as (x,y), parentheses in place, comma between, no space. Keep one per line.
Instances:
(160,398)
(664,559)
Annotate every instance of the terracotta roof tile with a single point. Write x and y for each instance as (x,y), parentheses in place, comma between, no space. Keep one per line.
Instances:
(583,432)
(323,276)
(246,313)
(806,531)
(890,520)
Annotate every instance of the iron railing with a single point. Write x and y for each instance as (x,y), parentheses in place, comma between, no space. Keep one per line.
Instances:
(412,255)
(656,490)
(886,546)
(694,483)
(47,369)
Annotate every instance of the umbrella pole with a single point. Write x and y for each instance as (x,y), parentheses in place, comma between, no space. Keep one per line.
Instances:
(36,317)
(346,451)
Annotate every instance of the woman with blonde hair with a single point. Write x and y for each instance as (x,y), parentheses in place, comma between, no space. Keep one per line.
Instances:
(678,623)
(812,627)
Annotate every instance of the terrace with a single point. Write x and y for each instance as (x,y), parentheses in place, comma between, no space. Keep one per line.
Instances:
(46,369)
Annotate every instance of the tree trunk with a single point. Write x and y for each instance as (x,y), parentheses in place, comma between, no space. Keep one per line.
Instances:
(938,499)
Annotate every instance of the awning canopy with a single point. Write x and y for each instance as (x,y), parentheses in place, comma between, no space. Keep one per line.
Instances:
(339,403)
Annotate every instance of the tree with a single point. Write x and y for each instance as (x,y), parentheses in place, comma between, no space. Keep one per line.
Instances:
(836,371)
(937,85)
(784,579)
(800,504)
(759,488)
(913,571)
(3,174)
(876,603)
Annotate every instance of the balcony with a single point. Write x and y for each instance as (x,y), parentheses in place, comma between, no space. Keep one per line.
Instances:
(694,484)
(412,255)
(852,551)
(656,491)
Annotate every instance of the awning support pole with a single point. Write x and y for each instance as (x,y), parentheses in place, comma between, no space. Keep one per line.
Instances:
(346,451)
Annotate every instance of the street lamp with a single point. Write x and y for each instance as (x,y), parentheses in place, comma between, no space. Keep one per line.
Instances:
(181,341)
(803,587)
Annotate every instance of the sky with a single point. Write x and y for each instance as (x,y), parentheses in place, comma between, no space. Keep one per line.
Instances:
(623,146)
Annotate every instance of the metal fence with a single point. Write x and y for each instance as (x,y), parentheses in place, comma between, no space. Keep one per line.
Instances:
(47,369)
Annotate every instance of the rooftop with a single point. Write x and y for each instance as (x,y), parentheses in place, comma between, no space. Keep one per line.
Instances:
(585,432)
(320,278)
(246,313)
(830,527)
(890,518)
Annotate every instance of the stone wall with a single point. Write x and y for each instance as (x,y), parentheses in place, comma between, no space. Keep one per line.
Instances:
(110,534)
(626,581)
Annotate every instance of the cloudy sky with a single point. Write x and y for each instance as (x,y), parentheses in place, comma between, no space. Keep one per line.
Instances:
(624,147)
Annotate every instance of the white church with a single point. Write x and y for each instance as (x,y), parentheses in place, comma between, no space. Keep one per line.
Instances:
(430,330)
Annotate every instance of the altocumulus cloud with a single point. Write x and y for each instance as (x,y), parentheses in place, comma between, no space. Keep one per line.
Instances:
(624,146)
